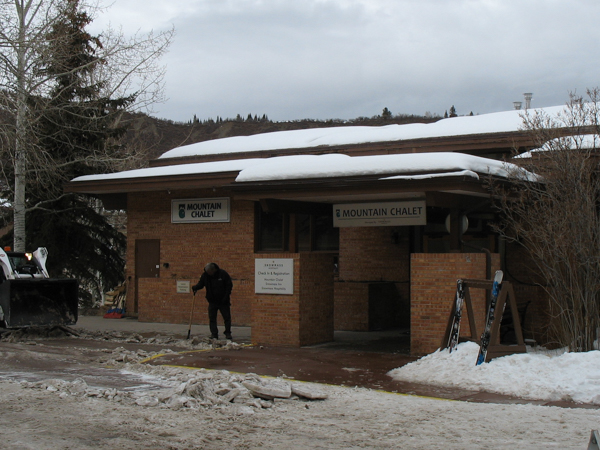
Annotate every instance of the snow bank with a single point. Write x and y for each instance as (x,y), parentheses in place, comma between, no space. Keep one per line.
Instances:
(534,375)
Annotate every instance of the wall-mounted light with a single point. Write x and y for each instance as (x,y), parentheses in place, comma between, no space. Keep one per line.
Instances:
(464,223)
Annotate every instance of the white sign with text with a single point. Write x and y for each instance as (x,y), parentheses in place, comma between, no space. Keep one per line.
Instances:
(274,276)
(200,210)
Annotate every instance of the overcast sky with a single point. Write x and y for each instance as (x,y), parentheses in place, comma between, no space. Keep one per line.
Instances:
(321,59)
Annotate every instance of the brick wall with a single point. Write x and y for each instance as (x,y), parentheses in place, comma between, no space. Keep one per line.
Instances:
(187,248)
(433,289)
(351,306)
(316,298)
(161,305)
(370,255)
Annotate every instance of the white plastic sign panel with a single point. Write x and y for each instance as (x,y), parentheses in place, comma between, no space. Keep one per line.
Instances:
(200,210)
(274,276)
(379,214)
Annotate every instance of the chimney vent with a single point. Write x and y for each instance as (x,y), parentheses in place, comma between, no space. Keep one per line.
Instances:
(528,96)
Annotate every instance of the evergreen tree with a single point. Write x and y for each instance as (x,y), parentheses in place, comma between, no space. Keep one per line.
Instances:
(453,112)
(386,114)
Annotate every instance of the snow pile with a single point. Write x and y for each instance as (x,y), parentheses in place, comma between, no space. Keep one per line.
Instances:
(195,343)
(122,355)
(178,388)
(545,376)
(32,334)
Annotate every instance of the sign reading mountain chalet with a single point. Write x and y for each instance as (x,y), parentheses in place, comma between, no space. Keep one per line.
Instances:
(200,210)
(379,214)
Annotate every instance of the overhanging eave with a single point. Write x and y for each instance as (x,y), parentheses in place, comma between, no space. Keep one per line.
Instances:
(151,184)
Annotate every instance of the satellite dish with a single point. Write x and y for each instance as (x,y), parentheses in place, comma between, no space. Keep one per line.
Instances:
(463,220)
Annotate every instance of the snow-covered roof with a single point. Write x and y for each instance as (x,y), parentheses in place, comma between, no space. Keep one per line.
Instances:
(298,166)
(581,141)
(294,167)
(234,165)
(505,121)
(339,165)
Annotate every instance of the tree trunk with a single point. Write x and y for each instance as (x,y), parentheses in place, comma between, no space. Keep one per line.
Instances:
(21,141)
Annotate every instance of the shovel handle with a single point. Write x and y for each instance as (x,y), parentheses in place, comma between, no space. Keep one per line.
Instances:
(191,315)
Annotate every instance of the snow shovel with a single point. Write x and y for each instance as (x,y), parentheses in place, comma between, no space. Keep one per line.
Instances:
(191,315)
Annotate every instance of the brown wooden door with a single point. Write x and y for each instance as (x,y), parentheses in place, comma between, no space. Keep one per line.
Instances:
(147,262)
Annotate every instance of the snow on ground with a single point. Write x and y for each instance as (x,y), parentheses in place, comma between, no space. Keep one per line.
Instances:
(539,375)
(185,408)
(33,334)
(186,412)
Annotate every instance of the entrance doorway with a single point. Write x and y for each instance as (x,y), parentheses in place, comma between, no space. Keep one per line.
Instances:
(147,262)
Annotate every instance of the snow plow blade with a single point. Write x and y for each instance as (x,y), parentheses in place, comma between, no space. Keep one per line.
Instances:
(38,302)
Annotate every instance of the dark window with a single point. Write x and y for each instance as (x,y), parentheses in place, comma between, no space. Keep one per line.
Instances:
(303,232)
(271,231)
(278,232)
(326,236)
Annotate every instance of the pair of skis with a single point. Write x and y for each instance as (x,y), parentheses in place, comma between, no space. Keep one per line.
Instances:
(485,336)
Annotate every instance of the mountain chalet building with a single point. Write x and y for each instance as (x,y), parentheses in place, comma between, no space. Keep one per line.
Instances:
(345,228)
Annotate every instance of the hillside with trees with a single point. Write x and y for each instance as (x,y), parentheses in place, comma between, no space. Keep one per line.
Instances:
(153,136)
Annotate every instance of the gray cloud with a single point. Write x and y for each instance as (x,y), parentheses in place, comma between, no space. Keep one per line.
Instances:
(342,59)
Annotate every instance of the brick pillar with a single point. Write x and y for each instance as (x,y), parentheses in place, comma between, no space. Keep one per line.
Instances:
(433,289)
(306,316)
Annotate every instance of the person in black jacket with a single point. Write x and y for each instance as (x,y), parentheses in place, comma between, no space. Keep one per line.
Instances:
(218,286)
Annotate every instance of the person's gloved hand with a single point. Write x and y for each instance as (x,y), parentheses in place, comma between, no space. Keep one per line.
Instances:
(194,290)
